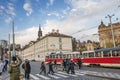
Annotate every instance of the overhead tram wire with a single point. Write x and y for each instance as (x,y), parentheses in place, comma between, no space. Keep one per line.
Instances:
(83,30)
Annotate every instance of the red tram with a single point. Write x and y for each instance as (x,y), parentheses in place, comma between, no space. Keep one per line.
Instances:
(59,57)
(107,57)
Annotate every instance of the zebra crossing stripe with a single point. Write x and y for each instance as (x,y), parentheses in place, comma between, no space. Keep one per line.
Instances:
(43,77)
(79,73)
(60,75)
(34,77)
(74,75)
(53,76)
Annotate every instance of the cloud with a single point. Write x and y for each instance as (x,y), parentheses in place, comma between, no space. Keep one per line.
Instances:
(27,7)
(11,10)
(27,35)
(50,3)
(91,7)
(53,14)
(8,19)
(78,19)
(7,12)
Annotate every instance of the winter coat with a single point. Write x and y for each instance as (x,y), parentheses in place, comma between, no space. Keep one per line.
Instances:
(14,70)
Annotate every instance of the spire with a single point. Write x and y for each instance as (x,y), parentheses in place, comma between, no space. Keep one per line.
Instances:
(39,32)
(102,22)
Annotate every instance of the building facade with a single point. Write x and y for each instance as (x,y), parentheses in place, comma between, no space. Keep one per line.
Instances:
(45,45)
(106,37)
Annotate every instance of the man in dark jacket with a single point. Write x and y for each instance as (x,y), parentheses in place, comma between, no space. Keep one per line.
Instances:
(43,68)
(27,69)
(50,68)
(79,63)
(72,64)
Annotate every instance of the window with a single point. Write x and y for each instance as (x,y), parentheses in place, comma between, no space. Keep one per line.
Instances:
(91,54)
(116,53)
(106,54)
(98,54)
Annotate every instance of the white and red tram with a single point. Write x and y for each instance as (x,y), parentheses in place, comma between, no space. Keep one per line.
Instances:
(107,57)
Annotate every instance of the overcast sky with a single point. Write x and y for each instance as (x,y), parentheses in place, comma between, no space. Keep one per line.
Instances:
(78,18)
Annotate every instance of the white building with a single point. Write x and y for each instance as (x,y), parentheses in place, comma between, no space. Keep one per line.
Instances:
(52,42)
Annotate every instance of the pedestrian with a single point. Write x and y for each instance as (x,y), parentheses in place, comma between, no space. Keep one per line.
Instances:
(72,64)
(64,65)
(43,68)
(27,69)
(14,68)
(79,63)
(68,65)
(5,65)
(50,68)
(1,67)
(55,64)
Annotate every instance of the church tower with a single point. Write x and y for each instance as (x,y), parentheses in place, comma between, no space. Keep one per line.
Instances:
(39,32)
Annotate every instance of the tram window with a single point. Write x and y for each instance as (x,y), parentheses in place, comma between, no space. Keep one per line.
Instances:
(60,56)
(47,56)
(97,54)
(64,56)
(106,54)
(50,56)
(85,55)
(56,56)
(68,55)
(53,56)
(91,55)
(77,55)
(116,53)
(73,55)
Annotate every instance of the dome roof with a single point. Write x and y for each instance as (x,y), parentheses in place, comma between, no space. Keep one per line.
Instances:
(101,25)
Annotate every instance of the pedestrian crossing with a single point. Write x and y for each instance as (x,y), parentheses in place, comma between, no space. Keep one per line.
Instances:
(57,75)
(78,74)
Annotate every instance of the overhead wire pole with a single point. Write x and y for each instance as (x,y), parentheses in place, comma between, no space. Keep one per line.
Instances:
(113,38)
(9,48)
(14,54)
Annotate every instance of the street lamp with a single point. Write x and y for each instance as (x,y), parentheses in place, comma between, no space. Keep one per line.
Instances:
(113,38)
(14,54)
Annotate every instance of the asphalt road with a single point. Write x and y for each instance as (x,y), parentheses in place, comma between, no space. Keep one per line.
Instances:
(85,73)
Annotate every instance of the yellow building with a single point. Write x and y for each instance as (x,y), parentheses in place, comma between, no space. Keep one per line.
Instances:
(105,35)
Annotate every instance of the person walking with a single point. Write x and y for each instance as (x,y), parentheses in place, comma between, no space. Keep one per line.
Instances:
(5,65)
(79,63)
(55,64)
(14,68)
(43,68)
(64,65)
(27,68)
(68,68)
(72,64)
(50,68)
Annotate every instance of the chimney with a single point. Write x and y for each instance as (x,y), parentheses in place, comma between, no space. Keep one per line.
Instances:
(53,30)
(57,30)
